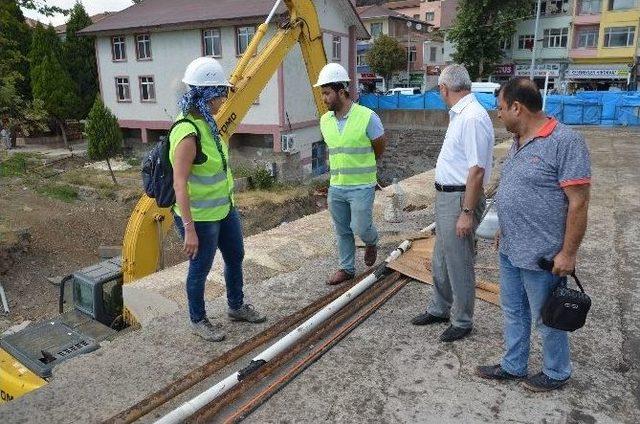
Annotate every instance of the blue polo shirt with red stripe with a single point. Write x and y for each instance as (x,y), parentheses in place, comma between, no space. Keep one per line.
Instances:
(531,203)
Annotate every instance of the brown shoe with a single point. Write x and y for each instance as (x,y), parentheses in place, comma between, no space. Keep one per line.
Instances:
(339,277)
(370,255)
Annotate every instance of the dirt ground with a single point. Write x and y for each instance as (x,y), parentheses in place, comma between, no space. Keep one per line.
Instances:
(65,235)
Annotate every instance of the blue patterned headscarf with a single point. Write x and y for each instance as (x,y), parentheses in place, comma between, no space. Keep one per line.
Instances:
(197,99)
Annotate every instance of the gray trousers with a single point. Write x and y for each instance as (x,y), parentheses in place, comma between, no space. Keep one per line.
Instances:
(453,262)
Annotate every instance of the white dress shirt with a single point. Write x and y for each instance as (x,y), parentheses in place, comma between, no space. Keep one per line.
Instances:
(468,143)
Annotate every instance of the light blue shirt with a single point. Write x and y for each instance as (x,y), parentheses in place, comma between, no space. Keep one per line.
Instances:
(375,130)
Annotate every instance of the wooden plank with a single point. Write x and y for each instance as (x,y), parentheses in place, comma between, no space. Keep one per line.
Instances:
(416,264)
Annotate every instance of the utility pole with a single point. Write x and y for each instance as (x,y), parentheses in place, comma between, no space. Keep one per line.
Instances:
(535,41)
(409,55)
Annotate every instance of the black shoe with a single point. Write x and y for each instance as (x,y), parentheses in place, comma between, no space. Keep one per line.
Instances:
(452,334)
(495,372)
(427,318)
(543,383)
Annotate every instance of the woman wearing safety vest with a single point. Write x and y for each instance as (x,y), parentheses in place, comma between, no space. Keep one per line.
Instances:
(204,213)
(355,138)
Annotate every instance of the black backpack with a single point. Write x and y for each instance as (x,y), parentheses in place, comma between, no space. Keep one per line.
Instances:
(157,172)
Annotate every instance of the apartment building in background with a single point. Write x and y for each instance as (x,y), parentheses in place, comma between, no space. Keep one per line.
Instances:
(604,44)
(436,50)
(410,32)
(581,44)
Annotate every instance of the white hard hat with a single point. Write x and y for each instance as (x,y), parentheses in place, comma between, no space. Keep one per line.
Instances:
(205,71)
(331,73)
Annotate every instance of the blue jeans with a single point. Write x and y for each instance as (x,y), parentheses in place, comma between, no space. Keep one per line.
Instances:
(227,236)
(352,213)
(522,294)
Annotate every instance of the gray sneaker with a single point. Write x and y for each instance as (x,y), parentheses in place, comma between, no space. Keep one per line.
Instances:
(207,331)
(246,313)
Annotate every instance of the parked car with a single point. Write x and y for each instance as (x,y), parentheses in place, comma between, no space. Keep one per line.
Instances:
(484,87)
(405,91)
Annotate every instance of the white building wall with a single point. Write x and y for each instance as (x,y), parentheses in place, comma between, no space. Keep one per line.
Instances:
(305,137)
(527,27)
(171,53)
(331,15)
(449,50)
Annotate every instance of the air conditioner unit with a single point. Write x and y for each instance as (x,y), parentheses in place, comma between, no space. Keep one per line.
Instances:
(271,168)
(288,143)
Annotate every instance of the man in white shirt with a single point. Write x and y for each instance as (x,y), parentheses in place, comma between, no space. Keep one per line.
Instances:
(463,168)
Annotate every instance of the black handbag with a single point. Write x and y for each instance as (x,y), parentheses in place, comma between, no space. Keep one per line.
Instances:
(565,309)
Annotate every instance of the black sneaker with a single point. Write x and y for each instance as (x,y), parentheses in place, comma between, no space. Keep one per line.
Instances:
(496,372)
(246,313)
(543,383)
(427,319)
(452,334)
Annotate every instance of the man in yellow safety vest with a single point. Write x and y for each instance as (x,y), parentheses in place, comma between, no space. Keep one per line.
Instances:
(355,137)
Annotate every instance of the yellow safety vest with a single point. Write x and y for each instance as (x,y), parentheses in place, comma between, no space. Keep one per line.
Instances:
(210,189)
(351,157)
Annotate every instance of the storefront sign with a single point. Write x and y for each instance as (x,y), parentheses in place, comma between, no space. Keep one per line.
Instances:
(611,73)
(504,70)
(416,79)
(540,70)
(368,76)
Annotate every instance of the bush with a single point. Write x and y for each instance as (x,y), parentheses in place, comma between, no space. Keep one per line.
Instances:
(103,134)
(261,179)
(133,161)
(14,166)
(61,192)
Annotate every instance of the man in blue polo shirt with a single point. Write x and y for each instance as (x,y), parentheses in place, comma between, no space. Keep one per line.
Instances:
(542,203)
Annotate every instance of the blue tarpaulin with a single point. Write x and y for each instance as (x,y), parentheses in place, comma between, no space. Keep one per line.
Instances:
(585,108)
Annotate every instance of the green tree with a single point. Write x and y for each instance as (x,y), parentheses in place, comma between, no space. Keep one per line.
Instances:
(386,56)
(51,84)
(44,43)
(479,28)
(103,134)
(80,60)
(17,113)
(17,42)
(40,6)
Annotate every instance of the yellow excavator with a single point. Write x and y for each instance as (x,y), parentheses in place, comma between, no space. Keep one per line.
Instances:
(28,356)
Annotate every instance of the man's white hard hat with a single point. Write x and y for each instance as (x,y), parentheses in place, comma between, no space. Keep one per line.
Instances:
(332,73)
(205,71)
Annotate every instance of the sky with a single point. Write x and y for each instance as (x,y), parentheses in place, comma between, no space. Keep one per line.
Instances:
(91,6)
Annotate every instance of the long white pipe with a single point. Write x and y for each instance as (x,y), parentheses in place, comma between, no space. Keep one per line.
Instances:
(273,11)
(192,406)
(429,228)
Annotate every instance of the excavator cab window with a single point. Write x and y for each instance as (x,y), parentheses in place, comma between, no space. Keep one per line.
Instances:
(83,296)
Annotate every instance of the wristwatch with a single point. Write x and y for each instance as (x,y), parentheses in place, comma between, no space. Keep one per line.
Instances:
(466,210)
